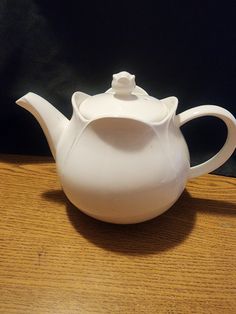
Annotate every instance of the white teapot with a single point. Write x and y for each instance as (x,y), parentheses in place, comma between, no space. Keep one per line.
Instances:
(122,157)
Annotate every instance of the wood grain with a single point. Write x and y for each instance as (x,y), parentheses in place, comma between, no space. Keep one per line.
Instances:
(54,259)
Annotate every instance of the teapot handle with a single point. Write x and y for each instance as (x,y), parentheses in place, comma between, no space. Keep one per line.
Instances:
(230,144)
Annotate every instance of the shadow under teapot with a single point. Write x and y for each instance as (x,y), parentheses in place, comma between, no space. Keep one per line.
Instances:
(150,237)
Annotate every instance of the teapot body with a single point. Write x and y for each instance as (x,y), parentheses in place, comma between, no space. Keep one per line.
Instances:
(122,170)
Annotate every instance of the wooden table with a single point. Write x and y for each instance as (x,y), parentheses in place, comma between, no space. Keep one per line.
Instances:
(54,259)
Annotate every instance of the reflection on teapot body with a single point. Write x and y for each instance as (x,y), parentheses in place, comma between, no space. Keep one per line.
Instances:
(122,157)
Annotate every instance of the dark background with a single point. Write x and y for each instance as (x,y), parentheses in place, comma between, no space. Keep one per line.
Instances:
(53,48)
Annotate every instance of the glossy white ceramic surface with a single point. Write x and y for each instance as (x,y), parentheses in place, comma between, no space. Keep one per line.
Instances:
(122,157)
(124,99)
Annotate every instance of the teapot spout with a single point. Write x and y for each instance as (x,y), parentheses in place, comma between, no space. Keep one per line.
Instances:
(50,119)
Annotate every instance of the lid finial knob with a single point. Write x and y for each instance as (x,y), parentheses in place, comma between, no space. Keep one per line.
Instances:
(123,83)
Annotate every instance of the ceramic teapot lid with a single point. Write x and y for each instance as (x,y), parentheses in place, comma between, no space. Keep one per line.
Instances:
(124,99)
